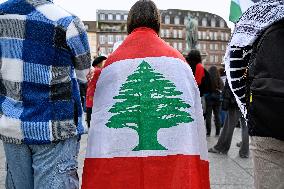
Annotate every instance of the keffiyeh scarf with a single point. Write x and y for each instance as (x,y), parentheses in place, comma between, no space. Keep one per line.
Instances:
(250,26)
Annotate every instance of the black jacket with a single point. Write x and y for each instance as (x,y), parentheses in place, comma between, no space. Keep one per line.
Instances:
(228,99)
(266,70)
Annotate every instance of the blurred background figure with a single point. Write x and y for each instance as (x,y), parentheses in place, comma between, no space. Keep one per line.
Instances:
(213,101)
(97,64)
(223,112)
(229,104)
(201,75)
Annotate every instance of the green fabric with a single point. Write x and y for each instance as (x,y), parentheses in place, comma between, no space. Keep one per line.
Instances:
(147,102)
(235,12)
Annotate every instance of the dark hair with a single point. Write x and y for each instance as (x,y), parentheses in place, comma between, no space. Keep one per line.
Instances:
(193,57)
(216,81)
(222,71)
(98,60)
(143,13)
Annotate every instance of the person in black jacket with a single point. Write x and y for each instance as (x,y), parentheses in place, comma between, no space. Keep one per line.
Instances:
(213,100)
(255,66)
(234,115)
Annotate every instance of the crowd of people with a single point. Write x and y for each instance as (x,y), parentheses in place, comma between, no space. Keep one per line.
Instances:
(148,108)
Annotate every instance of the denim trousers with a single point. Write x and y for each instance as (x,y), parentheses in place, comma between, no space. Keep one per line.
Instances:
(50,166)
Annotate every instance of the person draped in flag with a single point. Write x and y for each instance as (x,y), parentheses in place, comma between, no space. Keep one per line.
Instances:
(254,67)
(147,129)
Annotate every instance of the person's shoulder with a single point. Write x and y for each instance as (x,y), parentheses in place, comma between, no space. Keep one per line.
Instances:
(56,13)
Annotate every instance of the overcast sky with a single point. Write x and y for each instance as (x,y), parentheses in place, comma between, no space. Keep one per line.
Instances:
(86,9)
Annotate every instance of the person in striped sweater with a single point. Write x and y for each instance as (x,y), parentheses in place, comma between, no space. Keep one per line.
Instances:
(44,53)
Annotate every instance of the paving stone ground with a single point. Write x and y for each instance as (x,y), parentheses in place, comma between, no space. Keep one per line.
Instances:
(226,171)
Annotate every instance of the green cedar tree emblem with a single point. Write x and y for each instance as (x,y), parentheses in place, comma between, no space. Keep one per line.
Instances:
(146,103)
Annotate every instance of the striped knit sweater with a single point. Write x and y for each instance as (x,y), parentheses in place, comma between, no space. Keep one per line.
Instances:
(43,53)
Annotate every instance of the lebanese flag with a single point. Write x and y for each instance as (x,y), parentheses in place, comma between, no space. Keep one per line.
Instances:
(147,129)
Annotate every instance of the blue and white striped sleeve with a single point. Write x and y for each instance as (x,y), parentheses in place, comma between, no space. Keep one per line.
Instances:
(77,41)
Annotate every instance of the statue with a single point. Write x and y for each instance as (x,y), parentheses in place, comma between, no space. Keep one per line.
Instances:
(191,33)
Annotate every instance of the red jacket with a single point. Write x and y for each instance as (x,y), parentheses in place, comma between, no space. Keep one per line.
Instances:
(92,87)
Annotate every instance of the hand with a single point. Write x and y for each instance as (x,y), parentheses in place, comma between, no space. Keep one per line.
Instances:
(90,75)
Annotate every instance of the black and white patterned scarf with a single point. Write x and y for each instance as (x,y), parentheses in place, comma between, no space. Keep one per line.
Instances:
(250,26)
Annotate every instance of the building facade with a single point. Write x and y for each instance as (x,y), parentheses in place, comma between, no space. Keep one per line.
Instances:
(111,28)
(213,32)
(91,27)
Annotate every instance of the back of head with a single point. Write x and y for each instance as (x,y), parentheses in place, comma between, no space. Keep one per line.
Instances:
(143,13)
(98,60)
(193,57)
(215,78)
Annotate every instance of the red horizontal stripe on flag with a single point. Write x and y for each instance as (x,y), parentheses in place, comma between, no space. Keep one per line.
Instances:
(159,172)
(142,43)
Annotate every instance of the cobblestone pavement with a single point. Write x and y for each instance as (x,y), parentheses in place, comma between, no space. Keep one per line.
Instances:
(226,171)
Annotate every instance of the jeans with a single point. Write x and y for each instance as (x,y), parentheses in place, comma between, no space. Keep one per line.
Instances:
(51,166)
(225,139)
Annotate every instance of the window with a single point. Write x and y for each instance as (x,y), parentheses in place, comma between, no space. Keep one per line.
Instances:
(211,47)
(204,35)
(211,35)
(110,17)
(198,46)
(110,50)
(102,16)
(211,58)
(180,46)
(167,33)
(167,19)
(110,39)
(185,20)
(222,24)
(175,45)
(215,35)
(177,20)
(204,22)
(175,33)
(199,35)
(102,39)
(222,36)
(162,33)
(103,50)
(226,36)
(223,47)
(118,38)
(213,22)
(117,17)
(216,58)
(216,47)
(180,33)
(204,46)
(125,17)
